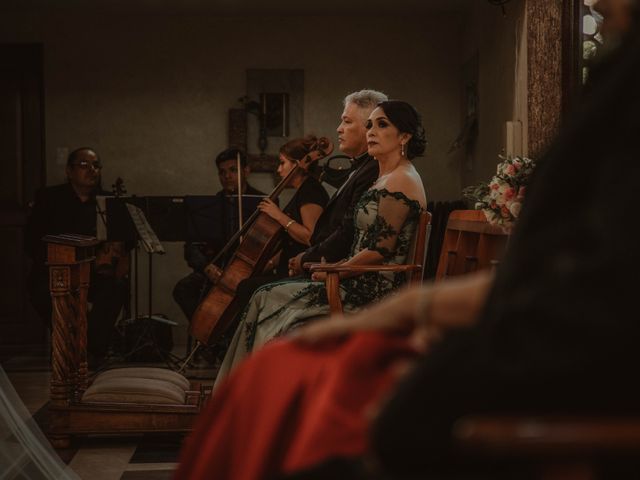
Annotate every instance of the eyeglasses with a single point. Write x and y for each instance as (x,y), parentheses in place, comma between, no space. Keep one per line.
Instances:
(83,164)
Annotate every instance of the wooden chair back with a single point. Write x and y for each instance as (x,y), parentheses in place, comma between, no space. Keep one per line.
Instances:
(470,243)
(419,248)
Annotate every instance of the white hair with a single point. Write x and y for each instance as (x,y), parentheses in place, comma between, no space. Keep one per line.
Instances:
(368,99)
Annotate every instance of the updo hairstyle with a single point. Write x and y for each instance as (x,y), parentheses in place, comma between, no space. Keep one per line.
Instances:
(407,120)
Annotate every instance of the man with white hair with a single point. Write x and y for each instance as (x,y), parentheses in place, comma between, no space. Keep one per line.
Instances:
(333,233)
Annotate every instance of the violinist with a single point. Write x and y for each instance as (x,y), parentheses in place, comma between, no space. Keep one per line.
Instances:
(71,208)
(199,255)
(298,218)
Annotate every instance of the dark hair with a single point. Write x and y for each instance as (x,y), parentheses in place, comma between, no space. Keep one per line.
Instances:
(74,155)
(407,120)
(298,148)
(231,154)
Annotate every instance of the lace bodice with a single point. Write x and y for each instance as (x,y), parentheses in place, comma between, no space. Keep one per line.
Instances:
(385,222)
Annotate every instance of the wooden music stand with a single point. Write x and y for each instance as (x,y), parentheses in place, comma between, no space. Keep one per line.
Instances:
(119,401)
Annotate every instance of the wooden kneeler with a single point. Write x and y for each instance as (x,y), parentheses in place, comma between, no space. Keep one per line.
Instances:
(120,401)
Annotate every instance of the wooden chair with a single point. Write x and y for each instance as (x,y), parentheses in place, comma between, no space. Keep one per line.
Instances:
(415,269)
(470,243)
(119,401)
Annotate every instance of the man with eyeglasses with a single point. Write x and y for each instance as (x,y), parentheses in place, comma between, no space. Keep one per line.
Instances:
(71,208)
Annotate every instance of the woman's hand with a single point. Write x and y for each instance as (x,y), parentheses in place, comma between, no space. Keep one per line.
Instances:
(319,276)
(270,208)
(322,276)
(213,273)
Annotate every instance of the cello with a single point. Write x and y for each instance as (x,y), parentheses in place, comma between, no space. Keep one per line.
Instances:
(260,238)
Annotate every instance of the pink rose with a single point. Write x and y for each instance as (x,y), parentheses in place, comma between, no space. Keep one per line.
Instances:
(509,193)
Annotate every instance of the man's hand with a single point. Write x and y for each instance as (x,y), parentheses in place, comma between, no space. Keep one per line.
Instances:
(295,265)
(213,273)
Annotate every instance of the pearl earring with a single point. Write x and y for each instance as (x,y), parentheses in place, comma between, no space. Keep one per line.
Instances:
(402,149)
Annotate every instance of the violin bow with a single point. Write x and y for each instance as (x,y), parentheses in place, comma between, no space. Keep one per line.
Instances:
(239,167)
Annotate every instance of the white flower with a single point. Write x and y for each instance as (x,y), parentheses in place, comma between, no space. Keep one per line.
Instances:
(515,208)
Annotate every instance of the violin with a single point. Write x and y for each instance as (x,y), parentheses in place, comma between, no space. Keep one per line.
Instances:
(112,258)
(260,238)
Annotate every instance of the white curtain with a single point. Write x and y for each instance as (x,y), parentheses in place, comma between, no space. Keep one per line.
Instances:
(25,453)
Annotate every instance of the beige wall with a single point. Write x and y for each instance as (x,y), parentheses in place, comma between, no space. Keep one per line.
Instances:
(495,38)
(151,93)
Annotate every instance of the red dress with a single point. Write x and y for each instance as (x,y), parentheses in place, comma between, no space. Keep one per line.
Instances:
(290,406)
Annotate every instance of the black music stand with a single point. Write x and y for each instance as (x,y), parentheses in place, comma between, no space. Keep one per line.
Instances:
(165,214)
(215,217)
(149,240)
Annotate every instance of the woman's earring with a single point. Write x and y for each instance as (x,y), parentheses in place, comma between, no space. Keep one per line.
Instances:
(402,149)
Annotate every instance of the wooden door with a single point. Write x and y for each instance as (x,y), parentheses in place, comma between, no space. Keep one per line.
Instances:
(23,171)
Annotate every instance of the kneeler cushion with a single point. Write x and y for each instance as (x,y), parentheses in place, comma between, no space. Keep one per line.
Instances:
(134,390)
(146,372)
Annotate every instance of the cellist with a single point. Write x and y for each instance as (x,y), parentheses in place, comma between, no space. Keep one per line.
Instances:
(298,218)
(333,233)
(189,290)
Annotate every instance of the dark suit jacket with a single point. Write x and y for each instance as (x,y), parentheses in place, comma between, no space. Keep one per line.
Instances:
(57,209)
(333,234)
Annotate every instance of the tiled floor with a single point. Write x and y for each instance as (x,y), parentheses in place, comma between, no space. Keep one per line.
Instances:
(152,457)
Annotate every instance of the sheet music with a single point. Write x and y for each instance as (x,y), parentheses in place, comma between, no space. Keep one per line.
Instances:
(147,236)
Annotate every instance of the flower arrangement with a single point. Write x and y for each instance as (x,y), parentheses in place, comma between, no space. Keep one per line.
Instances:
(501,198)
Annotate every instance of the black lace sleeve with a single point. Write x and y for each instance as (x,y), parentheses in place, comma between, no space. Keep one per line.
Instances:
(382,234)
